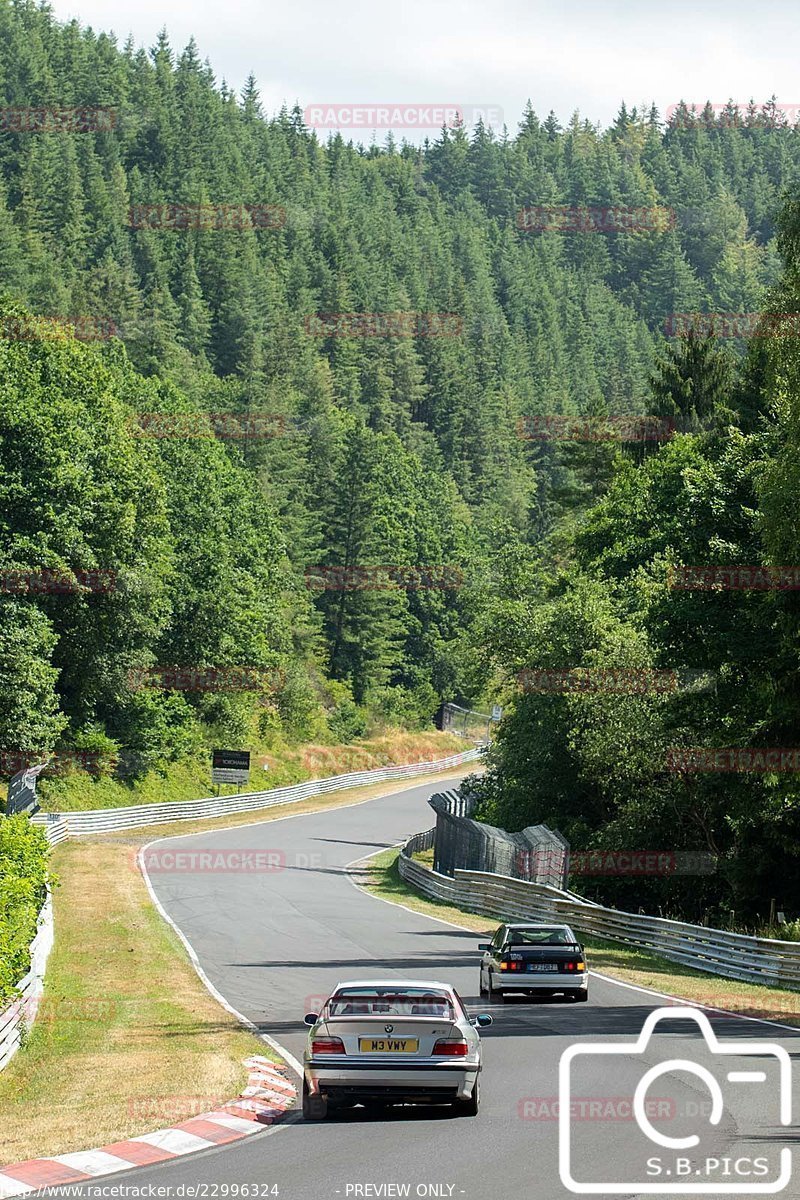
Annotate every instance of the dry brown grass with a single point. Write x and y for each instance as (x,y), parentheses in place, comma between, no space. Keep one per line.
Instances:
(129,1039)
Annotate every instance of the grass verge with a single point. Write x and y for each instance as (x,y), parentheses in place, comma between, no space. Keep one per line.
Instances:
(128,1039)
(279,766)
(380,874)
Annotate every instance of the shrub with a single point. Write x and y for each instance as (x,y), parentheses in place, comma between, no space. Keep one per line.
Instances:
(24,853)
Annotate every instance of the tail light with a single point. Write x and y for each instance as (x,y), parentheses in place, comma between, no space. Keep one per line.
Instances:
(327,1046)
(510,965)
(451,1049)
(575,966)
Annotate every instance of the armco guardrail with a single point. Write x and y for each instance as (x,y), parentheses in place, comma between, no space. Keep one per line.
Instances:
(733,955)
(21,1013)
(60,826)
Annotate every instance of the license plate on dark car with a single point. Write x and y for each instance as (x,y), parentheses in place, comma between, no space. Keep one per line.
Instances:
(542,967)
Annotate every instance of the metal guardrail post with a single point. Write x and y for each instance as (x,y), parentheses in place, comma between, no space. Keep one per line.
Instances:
(731,955)
(78,823)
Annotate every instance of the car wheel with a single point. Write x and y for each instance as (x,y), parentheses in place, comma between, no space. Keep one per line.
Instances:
(481,988)
(490,991)
(469,1108)
(582,997)
(315,1107)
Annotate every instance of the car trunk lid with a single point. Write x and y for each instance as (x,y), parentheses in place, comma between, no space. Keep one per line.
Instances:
(397,1037)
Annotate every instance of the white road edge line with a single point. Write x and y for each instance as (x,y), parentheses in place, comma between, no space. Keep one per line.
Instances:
(171,837)
(195,961)
(189,948)
(634,987)
(728,1012)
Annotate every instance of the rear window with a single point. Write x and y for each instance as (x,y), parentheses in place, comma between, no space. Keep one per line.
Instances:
(541,937)
(369,1002)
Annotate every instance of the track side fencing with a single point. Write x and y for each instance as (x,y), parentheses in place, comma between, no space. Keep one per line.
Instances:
(733,955)
(18,1017)
(60,826)
(537,853)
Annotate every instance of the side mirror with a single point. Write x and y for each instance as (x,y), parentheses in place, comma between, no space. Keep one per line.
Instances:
(484,945)
(311,1018)
(482,1020)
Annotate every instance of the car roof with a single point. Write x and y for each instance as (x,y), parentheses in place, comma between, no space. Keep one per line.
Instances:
(395,984)
(537,925)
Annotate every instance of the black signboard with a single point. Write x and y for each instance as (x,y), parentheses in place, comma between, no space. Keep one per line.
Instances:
(230,766)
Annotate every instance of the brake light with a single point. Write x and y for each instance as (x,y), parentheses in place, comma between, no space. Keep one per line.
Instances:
(509,965)
(327,1046)
(451,1049)
(574,966)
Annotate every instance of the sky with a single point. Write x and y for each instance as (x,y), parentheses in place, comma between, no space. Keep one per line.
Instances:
(489,56)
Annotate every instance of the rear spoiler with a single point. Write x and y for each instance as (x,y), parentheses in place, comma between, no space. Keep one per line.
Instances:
(547,946)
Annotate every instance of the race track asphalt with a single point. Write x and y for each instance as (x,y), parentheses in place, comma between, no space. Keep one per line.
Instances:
(274,941)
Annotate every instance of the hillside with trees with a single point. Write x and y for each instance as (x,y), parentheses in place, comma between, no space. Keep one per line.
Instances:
(408,450)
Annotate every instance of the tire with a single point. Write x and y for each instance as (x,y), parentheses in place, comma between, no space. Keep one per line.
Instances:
(481,988)
(579,997)
(315,1107)
(491,994)
(469,1108)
